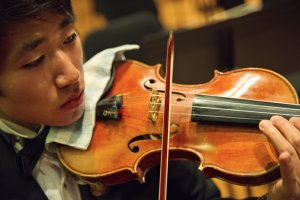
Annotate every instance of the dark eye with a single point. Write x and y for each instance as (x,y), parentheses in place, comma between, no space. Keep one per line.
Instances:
(36,62)
(71,38)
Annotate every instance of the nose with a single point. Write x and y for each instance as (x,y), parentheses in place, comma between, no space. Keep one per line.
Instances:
(67,73)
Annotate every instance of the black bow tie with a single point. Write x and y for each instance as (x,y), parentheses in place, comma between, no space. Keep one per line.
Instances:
(32,151)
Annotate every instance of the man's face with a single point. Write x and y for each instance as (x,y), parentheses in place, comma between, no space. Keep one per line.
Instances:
(41,76)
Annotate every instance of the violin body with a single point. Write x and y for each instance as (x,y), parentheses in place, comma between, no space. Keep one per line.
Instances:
(125,148)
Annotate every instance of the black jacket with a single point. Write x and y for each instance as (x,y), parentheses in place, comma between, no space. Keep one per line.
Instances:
(14,183)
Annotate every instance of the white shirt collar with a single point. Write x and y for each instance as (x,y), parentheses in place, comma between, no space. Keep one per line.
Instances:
(17,130)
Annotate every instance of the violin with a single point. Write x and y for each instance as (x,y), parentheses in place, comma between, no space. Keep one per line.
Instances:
(213,124)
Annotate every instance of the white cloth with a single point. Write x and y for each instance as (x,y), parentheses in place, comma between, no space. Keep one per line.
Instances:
(97,72)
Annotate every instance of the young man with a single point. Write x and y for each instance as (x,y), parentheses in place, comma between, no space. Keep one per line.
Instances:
(42,85)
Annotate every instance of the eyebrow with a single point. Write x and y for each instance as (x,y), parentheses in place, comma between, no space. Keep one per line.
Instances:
(69,19)
(31,45)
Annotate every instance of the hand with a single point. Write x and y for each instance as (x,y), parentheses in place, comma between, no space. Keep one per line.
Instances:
(285,136)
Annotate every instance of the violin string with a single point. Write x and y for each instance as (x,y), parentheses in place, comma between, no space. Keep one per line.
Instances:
(125,95)
(237,110)
(255,105)
(176,115)
(191,98)
(130,97)
(160,90)
(203,107)
(218,116)
(181,114)
(236,103)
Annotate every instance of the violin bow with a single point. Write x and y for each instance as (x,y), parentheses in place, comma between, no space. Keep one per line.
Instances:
(166,120)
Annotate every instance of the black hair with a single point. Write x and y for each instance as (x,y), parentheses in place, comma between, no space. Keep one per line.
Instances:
(16,11)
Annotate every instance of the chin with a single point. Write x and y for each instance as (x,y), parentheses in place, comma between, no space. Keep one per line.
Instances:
(69,119)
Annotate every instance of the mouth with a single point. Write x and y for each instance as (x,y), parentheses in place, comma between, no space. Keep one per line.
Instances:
(74,101)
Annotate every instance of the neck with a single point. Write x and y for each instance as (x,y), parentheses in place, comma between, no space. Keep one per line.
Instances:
(233,110)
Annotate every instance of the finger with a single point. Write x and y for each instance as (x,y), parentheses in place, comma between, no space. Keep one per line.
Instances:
(279,142)
(288,172)
(290,132)
(296,122)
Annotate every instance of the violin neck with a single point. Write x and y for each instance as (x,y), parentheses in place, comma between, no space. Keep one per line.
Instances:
(232,110)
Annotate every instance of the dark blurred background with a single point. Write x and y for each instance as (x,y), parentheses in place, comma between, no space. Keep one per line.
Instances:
(209,34)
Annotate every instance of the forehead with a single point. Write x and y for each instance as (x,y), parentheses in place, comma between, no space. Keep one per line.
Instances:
(19,34)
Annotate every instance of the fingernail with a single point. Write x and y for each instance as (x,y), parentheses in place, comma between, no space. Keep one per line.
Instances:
(264,124)
(275,118)
(294,119)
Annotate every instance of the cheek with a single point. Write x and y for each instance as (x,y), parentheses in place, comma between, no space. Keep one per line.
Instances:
(77,54)
(22,100)
(26,89)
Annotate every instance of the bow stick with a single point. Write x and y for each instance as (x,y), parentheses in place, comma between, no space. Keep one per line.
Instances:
(166,120)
